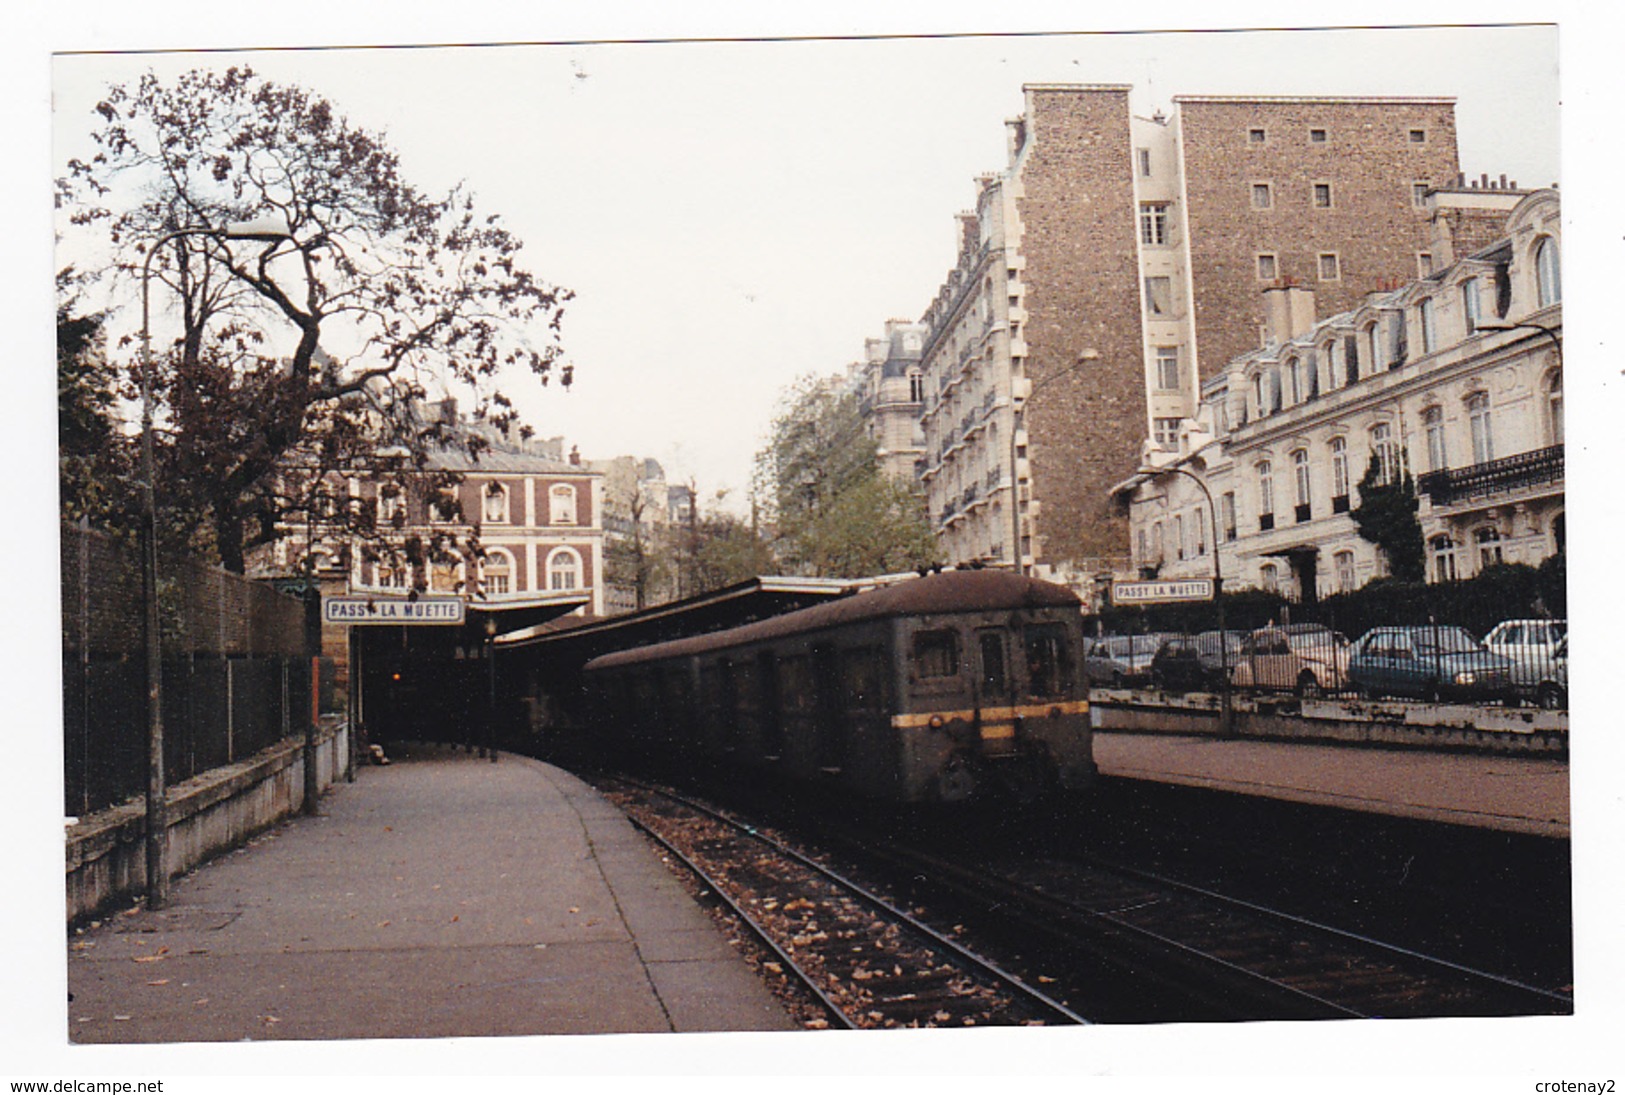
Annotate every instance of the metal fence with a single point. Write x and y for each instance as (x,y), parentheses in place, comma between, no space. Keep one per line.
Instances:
(1443,643)
(236,672)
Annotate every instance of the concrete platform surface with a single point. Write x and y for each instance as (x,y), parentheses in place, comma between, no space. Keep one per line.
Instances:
(1525,794)
(443,895)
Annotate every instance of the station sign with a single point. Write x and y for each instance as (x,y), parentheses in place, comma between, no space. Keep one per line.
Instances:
(1156,593)
(392,610)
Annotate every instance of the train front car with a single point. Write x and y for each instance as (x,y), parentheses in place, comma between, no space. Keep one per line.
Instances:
(991,693)
(945,688)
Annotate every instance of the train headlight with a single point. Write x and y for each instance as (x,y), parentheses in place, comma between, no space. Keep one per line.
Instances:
(936,722)
(1465,678)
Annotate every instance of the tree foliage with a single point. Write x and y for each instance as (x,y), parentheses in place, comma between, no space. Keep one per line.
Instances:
(835,512)
(310,351)
(93,459)
(1386,517)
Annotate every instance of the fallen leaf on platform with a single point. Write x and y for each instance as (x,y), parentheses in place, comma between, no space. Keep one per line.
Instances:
(160,981)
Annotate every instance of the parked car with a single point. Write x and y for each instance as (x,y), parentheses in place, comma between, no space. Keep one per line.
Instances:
(1552,690)
(1116,661)
(1531,645)
(1326,652)
(1430,663)
(1177,666)
(1207,649)
(1269,661)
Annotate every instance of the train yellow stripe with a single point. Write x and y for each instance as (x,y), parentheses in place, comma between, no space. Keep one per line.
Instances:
(990,714)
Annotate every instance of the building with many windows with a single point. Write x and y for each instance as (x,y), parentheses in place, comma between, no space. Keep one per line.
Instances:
(891,396)
(1111,259)
(1456,378)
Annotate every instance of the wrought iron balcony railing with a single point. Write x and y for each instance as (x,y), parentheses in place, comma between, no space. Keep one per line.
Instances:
(1528,469)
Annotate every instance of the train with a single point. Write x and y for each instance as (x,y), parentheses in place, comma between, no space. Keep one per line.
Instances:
(955,686)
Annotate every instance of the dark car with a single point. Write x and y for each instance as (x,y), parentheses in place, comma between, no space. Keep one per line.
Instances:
(1218,662)
(1177,666)
(1430,663)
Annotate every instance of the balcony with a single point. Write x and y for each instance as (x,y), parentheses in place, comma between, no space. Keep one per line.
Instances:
(1540,468)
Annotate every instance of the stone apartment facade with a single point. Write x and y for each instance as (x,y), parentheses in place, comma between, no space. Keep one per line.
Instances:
(1456,377)
(1110,259)
(891,394)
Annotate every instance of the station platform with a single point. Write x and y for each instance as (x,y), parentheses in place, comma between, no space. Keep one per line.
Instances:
(443,895)
(1524,794)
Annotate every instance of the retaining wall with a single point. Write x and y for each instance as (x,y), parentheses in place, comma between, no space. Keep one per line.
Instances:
(1369,722)
(209,814)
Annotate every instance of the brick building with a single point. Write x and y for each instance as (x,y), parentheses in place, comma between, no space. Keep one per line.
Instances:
(1114,255)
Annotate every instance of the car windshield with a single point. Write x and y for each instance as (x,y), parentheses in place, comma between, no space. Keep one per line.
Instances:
(1445,640)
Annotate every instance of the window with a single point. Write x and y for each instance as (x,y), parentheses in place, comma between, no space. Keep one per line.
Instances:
(1154,223)
(1373,346)
(563,569)
(1049,669)
(1255,136)
(1554,408)
(1351,359)
(1275,390)
(1419,194)
(916,388)
(994,674)
(936,654)
(1548,284)
(1300,483)
(1469,304)
(1144,155)
(1266,498)
(1199,531)
(1385,453)
(1227,514)
(1489,546)
(1340,474)
(1168,368)
(1166,432)
(1478,420)
(1262,198)
(1321,195)
(1424,263)
(1269,577)
(1179,536)
(443,507)
(1443,549)
(1330,268)
(1317,136)
(1159,296)
(443,575)
(496,573)
(561,507)
(389,576)
(496,503)
(391,506)
(1433,425)
(1419,136)
(1294,372)
(1343,562)
(1267,267)
(1424,316)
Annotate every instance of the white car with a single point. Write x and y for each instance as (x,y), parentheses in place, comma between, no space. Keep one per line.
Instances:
(1531,646)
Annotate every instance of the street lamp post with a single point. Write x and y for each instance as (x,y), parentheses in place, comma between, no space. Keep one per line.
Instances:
(1226,711)
(157,834)
(1557,342)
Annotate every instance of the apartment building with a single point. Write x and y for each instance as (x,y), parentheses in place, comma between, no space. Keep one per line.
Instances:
(1115,255)
(1455,377)
(891,397)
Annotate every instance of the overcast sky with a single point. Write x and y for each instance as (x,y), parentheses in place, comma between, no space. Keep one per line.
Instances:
(732,215)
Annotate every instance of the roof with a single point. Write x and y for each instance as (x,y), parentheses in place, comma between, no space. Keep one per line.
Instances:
(951,591)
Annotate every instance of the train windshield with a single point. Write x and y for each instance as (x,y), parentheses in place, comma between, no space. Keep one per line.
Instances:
(1049,669)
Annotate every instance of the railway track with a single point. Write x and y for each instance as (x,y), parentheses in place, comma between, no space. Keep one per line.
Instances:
(857,960)
(1145,948)
(1116,944)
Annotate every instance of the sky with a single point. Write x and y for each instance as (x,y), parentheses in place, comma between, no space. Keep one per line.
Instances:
(732,215)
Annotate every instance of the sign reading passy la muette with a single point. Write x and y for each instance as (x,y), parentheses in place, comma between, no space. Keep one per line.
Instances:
(392,610)
(1143,593)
